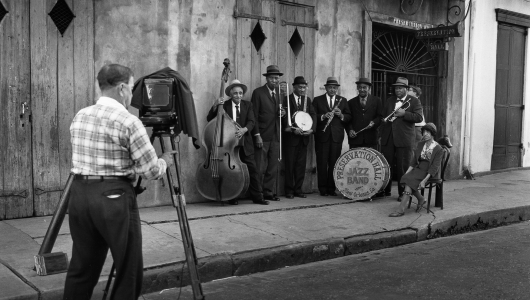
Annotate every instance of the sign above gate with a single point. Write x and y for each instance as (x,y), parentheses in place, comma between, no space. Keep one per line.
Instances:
(391,20)
(439,32)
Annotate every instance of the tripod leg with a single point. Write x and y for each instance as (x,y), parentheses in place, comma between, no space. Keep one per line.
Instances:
(107,287)
(57,219)
(179,203)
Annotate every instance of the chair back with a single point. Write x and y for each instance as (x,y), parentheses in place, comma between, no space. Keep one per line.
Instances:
(445,160)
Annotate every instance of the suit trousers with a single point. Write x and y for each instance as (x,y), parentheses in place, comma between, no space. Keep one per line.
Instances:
(295,163)
(398,156)
(267,164)
(104,214)
(255,185)
(327,154)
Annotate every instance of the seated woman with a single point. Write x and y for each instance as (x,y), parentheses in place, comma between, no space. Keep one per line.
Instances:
(426,164)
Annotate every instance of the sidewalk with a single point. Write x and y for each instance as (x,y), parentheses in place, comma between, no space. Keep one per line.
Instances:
(249,238)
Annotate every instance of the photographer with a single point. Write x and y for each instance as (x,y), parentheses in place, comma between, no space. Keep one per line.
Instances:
(110,147)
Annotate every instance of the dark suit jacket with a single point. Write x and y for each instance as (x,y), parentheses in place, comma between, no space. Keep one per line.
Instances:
(362,117)
(292,139)
(402,129)
(336,128)
(266,111)
(434,163)
(246,114)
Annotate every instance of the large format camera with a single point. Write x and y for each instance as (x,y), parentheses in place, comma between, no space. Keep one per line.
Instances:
(157,104)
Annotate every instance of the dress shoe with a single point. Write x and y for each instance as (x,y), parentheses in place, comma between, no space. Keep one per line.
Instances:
(332,194)
(289,196)
(262,202)
(233,202)
(323,194)
(272,198)
(300,195)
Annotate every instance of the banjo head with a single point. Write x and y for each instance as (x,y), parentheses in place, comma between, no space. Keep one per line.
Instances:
(302,120)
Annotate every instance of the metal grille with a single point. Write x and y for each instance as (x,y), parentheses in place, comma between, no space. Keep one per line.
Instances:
(61,15)
(257,36)
(3,11)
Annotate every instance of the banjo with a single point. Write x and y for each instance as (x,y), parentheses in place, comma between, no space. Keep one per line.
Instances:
(301,119)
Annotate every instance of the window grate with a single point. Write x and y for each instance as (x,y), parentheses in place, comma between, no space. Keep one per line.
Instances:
(3,11)
(61,15)
(257,36)
(296,42)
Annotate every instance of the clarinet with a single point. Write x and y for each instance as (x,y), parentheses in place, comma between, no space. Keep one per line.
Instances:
(329,120)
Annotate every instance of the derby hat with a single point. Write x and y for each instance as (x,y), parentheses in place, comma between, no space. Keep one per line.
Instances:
(401,81)
(431,127)
(233,84)
(299,80)
(332,81)
(364,80)
(273,70)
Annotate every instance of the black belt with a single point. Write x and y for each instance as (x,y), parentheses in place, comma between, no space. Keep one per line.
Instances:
(100,178)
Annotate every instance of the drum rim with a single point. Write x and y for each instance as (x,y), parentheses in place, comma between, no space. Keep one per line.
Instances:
(305,115)
(384,164)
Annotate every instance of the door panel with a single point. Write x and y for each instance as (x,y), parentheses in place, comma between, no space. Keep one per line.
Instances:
(508,97)
(15,145)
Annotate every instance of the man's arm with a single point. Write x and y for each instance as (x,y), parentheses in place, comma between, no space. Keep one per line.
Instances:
(146,162)
(255,100)
(415,113)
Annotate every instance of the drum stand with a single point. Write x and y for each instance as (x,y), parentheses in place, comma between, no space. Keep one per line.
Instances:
(178,202)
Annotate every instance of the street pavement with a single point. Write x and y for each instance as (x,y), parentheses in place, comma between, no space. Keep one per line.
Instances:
(249,238)
(488,264)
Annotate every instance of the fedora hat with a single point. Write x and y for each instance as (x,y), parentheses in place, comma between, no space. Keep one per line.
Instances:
(364,80)
(332,81)
(273,70)
(233,84)
(401,81)
(431,127)
(299,80)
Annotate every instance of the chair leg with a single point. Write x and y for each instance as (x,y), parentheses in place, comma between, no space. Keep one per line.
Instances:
(439,202)
(429,199)
(410,201)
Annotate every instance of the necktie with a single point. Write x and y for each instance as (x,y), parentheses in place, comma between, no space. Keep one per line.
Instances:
(238,116)
(331,102)
(299,103)
(363,102)
(274,97)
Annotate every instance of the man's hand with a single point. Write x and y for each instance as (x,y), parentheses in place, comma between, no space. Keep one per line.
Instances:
(352,133)
(337,111)
(258,141)
(282,112)
(310,131)
(328,115)
(371,124)
(400,113)
(219,101)
(168,157)
(241,131)
(297,130)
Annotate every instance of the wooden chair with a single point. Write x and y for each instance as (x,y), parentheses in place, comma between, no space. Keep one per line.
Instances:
(438,182)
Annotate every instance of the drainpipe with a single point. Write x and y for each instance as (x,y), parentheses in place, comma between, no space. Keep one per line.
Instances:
(468,99)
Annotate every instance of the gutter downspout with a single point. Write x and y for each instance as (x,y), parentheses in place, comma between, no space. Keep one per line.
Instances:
(468,99)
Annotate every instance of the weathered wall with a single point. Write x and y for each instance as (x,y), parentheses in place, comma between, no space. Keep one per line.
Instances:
(194,37)
(479,93)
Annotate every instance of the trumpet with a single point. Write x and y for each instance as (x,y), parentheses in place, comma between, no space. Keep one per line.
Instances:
(329,120)
(391,117)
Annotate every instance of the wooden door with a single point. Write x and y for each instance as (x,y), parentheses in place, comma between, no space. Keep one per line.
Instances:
(16,192)
(509,106)
(275,24)
(53,74)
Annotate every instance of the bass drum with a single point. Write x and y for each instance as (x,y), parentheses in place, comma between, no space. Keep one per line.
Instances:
(302,120)
(360,173)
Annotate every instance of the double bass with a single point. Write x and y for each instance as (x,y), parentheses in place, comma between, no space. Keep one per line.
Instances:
(222,176)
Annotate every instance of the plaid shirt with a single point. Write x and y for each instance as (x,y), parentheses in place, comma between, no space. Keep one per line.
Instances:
(109,141)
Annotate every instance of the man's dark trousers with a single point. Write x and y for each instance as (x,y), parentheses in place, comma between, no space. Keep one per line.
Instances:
(295,163)
(401,156)
(99,220)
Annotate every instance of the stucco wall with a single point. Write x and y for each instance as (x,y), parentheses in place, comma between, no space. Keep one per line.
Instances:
(479,92)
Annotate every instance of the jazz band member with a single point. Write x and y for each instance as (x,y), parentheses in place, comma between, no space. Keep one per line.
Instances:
(266,103)
(242,112)
(296,140)
(398,134)
(333,114)
(366,111)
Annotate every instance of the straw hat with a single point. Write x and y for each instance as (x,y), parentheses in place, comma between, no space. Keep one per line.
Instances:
(233,84)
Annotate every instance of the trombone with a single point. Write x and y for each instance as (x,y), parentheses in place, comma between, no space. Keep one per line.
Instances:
(405,106)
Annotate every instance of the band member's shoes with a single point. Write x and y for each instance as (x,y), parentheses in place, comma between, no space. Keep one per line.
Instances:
(233,202)
(396,214)
(323,194)
(289,196)
(262,202)
(332,194)
(272,198)
(300,195)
